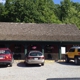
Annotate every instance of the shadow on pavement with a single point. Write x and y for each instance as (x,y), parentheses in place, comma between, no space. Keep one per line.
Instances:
(22,64)
(3,66)
(71,63)
(63,79)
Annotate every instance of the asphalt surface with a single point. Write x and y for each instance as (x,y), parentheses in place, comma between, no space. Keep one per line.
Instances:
(50,71)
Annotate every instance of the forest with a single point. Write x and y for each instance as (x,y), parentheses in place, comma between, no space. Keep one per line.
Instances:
(40,11)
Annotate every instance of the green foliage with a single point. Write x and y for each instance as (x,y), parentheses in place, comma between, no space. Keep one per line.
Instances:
(2,12)
(65,9)
(40,11)
(68,12)
(30,11)
(73,14)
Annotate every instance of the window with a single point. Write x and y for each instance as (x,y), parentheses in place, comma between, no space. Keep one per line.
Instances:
(35,54)
(49,49)
(78,50)
(17,49)
(5,52)
(72,50)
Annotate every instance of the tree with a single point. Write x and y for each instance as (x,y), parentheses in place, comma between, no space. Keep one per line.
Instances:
(30,11)
(8,10)
(1,12)
(57,11)
(65,9)
(40,11)
(70,13)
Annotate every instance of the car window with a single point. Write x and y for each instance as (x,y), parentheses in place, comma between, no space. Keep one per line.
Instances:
(4,52)
(72,50)
(7,52)
(35,54)
(78,50)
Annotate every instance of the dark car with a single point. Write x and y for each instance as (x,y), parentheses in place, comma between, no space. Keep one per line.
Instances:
(35,57)
(6,56)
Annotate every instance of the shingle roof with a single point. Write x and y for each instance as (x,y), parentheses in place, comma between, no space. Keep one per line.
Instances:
(39,32)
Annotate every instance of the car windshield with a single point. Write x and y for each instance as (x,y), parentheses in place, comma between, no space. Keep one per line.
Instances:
(4,52)
(35,54)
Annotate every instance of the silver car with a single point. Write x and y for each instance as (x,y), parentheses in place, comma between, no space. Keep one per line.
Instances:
(34,57)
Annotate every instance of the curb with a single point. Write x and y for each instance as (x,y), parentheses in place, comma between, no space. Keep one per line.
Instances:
(49,61)
(61,61)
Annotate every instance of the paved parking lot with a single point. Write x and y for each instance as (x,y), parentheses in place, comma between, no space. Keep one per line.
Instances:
(50,71)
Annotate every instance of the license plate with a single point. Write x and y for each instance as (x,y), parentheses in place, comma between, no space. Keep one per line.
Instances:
(35,58)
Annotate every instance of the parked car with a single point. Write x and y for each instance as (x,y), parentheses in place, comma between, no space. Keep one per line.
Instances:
(73,54)
(6,56)
(34,57)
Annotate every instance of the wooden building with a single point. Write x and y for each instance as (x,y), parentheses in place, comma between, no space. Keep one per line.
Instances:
(48,38)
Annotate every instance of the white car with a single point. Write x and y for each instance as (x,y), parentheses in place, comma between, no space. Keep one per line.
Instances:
(34,57)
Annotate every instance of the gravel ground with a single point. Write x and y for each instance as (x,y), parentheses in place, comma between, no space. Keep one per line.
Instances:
(50,71)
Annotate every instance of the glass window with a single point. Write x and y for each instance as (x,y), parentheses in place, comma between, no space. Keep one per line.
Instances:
(17,49)
(35,54)
(78,50)
(2,51)
(49,49)
(5,52)
(72,50)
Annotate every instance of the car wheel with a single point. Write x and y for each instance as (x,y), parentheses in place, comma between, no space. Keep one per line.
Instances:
(42,64)
(66,59)
(26,64)
(10,64)
(76,60)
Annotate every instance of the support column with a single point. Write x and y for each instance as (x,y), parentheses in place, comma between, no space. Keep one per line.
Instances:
(60,51)
(43,49)
(25,50)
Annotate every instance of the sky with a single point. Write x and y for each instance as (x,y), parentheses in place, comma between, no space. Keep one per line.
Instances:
(58,1)
(2,0)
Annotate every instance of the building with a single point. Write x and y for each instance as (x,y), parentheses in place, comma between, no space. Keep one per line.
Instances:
(52,39)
